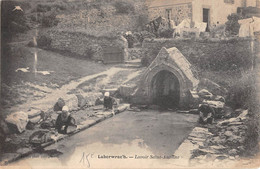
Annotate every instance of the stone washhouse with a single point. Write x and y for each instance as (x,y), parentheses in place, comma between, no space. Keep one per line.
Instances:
(167,81)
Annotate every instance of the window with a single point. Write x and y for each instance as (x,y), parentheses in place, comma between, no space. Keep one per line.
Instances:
(229,1)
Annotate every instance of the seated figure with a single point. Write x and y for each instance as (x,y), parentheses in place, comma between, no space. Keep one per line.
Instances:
(108,101)
(206,115)
(64,121)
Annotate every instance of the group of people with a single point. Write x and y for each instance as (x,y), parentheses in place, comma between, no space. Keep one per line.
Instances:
(65,123)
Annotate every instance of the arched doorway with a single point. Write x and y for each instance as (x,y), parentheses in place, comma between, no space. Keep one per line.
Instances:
(165,89)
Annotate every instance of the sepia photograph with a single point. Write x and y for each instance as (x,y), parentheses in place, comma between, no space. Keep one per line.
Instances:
(130,84)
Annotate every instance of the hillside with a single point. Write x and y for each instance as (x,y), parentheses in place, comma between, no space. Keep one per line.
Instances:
(93,16)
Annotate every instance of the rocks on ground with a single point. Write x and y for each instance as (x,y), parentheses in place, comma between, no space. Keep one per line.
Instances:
(223,140)
(213,87)
(17,121)
(25,130)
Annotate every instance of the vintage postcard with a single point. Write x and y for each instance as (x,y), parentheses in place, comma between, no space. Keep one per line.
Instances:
(130,84)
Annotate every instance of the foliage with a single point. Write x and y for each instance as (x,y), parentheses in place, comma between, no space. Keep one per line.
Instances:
(61,7)
(142,20)
(13,21)
(50,20)
(89,53)
(31,44)
(43,8)
(166,33)
(33,18)
(226,59)
(243,94)
(145,61)
(225,55)
(240,94)
(232,25)
(140,36)
(44,41)
(124,7)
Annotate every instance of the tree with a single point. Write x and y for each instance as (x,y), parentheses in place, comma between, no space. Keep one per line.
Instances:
(13,21)
(232,25)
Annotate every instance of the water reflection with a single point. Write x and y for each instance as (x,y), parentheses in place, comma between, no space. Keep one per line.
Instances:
(137,136)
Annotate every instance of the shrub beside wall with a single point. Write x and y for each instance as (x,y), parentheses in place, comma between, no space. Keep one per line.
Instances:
(232,25)
(124,7)
(205,54)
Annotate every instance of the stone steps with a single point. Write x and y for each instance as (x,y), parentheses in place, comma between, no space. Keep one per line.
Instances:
(136,63)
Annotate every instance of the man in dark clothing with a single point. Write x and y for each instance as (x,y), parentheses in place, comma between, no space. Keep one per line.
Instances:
(207,114)
(64,120)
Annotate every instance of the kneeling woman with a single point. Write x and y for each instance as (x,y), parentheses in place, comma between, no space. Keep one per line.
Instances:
(65,123)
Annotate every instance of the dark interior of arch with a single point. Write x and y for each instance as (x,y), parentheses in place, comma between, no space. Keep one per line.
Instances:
(165,90)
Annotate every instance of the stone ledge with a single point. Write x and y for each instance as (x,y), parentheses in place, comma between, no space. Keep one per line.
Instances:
(204,148)
(12,157)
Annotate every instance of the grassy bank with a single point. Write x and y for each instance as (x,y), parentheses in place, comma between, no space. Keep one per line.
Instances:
(18,86)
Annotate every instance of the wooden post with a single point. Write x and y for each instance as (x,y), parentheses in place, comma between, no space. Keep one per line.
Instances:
(252,48)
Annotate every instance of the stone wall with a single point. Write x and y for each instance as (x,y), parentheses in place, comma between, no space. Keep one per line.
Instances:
(135,53)
(179,12)
(84,45)
(213,54)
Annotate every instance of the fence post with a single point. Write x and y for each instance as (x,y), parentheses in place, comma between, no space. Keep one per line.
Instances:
(252,49)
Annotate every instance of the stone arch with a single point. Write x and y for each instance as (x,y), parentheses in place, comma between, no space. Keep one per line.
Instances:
(176,72)
(165,89)
(173,61)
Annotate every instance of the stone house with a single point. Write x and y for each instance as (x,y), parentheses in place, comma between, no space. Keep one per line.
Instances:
(213,12)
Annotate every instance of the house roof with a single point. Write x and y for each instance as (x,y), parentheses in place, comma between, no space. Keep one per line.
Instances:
(163,3)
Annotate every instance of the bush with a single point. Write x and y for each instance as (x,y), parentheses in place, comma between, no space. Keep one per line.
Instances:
(214,56)
(145,61)
(167,33)
(43,8)
(89,53)
(242,94)
(123,7)
(44,41)
(18,28)
(13,22)
(142,20)
(61,7)
(50,20)
(232,25)
(31,44)
(140,36)
(252,135)
(33,18)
